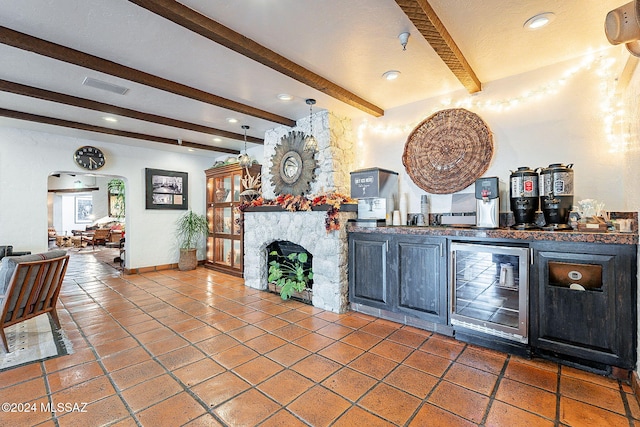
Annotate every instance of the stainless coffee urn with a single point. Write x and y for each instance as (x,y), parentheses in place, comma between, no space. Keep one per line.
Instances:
(524,197)
(556,191)
(377,193)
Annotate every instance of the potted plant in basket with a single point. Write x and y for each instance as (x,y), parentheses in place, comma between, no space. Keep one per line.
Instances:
(191,228)
(287,272)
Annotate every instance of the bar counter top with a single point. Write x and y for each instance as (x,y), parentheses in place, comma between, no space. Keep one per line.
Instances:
(503,233)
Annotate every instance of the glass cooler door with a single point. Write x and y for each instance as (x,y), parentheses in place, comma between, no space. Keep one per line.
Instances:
(489,289)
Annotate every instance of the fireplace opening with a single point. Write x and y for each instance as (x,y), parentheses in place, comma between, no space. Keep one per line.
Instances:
(284,249)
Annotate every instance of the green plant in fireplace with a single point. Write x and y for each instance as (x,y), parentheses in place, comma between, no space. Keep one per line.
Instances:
(289,273)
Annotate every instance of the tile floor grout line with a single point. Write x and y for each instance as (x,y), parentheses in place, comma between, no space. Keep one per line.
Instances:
(625,402)
(558,395)
(440,380)
(98,359)
(492,396)
(176,293)
(424,400)
(209,409)
(47,387)
(185,388)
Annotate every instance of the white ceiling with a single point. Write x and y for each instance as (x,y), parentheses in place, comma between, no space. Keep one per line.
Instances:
(350,43)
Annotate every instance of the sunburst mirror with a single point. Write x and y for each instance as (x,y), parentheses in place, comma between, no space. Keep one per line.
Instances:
(293,167)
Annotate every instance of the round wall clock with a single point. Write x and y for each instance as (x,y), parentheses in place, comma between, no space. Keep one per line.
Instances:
(89,157)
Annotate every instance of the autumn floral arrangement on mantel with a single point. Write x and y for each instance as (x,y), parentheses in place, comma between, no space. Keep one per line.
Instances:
(293,203)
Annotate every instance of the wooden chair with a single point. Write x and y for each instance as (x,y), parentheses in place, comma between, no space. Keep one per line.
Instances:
(99,236)
(33,290)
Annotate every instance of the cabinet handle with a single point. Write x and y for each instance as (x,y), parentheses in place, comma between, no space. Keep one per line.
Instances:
(531,259)
(386,243)
(441,252)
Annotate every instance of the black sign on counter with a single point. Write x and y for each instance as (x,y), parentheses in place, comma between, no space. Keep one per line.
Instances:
(373,182)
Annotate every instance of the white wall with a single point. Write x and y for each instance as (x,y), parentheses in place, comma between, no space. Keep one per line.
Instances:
(27,158)
(565,127)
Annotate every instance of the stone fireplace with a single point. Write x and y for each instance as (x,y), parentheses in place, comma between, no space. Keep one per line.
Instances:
(266,225)
(329,251)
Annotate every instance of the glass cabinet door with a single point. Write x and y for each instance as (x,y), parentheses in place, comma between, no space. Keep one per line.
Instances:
(223,221)
(237,188)
(222,189)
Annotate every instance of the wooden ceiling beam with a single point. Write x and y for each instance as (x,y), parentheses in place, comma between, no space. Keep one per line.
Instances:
(74,190)
(12,114)
(34,92)
(214,31)
(62,53)
(425,19)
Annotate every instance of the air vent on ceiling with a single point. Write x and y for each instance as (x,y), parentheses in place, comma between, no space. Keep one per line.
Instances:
(109,87)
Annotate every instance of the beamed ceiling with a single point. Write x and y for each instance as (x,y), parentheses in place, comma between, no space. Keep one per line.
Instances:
(189,66)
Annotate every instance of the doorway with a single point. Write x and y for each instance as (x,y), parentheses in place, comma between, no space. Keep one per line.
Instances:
(86,215)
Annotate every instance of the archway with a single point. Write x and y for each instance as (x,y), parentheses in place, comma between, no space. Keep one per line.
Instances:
(80,203)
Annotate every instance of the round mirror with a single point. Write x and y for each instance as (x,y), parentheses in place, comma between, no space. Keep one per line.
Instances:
(291,167)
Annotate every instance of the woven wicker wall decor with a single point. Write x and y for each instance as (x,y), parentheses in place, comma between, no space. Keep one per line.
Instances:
(448,151)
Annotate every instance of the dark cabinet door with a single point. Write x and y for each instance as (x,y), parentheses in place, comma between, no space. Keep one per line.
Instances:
(420,267)
(583,301)
(368,281)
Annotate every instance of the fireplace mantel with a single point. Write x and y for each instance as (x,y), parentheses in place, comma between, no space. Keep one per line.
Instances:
(347,207)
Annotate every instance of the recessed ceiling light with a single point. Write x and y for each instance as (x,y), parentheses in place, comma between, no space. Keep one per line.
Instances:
(232,120)
(217,139)
(391,75)
(190,149)
(539,20)
(110,119)
(285,97)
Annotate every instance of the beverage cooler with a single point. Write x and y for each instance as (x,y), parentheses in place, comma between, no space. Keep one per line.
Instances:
(489,289)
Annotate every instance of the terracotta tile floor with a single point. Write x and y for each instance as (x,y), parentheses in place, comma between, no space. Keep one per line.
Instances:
(198,348)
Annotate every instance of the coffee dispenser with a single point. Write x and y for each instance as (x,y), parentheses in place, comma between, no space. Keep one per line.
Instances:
(524,197)
(556,191)
(377,193)
(487,202)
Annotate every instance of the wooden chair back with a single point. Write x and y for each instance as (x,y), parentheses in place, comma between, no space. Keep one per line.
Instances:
(101,236)
(33,290)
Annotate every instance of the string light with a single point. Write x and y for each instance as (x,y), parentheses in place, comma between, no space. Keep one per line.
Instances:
(613,113)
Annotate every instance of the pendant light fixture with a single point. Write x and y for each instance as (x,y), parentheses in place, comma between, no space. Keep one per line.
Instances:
(243,159)
(310,142)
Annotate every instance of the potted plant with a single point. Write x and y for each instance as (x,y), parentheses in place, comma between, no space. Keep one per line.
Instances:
(191,228)
(288,273)
(115,188)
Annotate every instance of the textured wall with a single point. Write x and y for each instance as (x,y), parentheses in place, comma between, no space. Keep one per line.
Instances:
(335,154)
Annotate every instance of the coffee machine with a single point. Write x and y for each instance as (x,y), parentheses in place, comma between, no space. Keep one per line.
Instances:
(377,193)
(524,197)
(556,191)
(487,202)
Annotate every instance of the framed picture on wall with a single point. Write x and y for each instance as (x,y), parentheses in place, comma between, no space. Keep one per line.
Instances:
(166,189)
(84,209)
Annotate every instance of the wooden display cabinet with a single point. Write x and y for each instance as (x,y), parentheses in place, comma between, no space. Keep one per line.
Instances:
(224,241)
